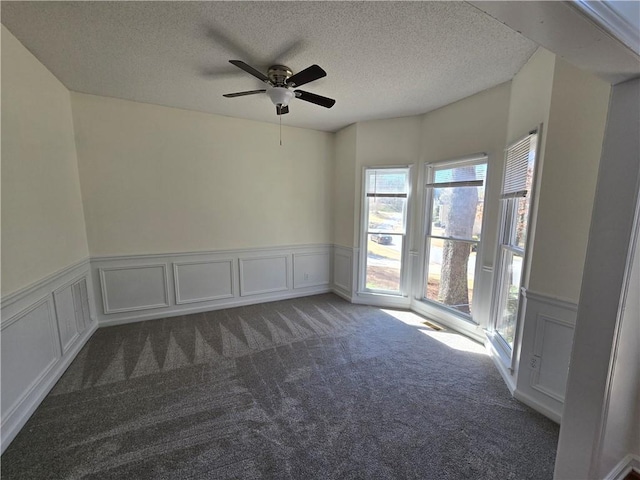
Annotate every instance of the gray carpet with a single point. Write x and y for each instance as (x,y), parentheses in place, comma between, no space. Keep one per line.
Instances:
(299,389)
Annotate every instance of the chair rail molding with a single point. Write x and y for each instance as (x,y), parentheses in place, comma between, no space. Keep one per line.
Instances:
(43,282)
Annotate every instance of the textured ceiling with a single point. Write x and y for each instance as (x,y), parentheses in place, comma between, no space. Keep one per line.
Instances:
(383,59)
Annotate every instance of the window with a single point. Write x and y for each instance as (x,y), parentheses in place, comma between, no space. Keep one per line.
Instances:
(386,195)
(515,211)
(454,207)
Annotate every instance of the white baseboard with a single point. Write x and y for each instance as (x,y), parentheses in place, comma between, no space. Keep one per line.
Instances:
(538,406)
(341,293)
(499,362)
(624,467)
(13,423)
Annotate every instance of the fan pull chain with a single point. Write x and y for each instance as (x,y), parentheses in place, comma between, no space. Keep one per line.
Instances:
(281,127)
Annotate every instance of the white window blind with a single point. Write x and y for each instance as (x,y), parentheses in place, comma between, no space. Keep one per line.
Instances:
(519,169)
(386,183)
(470,174)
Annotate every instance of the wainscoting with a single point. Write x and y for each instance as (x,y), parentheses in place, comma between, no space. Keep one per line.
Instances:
(546,349)
(43,327)
(344,271)
(141,287)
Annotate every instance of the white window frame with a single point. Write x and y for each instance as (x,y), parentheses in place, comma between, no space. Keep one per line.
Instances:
(430,168)
(364,235)
(507,220)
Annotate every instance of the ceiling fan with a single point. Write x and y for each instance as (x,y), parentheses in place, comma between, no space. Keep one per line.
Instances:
(281,81)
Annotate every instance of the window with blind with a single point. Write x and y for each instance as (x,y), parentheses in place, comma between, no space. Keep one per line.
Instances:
(454,207)
(516,198)
(386,197)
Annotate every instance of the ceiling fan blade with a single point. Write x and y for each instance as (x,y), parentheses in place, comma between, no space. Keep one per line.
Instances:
(242,94)
(317,99)
(282,110)
(309,74)
(249,69)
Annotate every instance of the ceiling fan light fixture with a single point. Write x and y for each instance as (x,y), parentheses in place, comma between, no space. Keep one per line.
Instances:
(280,84)
(280,95)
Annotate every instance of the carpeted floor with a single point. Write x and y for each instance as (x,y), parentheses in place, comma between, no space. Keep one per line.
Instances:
(299,389)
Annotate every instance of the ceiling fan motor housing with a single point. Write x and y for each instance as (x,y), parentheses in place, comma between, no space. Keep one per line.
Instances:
(280,95)
(278,75)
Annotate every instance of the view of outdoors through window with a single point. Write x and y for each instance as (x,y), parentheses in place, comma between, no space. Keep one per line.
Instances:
(456,200)
(386,192)
(510,293)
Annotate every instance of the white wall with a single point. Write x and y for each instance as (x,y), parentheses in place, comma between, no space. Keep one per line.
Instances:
(581,432)
(344,180)
(43,228)
(529,107)
(575,131)
(621,434)
(161,180)
(395,141)
(531,95)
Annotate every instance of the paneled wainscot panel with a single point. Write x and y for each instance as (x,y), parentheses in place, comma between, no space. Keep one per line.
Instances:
(30,349)
(125,289)
(342,268)
(203,281)
(311,269)
(552,346)
(82,304)
(263,275)
(66,315)
(72,310)
(548,329)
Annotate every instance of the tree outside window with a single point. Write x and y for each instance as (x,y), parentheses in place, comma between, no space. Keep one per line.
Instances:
(456,202)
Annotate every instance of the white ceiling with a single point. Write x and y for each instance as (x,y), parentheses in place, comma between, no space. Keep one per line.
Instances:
(383,59)
(601,37)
